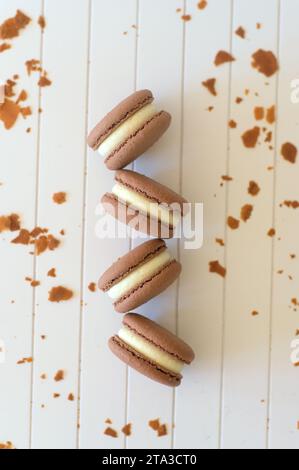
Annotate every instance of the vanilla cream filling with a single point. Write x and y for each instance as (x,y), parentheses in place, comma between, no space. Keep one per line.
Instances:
(127,128)
(140,202)
(139,275)
(150,351)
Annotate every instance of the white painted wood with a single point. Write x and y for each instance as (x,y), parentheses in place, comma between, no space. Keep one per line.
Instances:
(62,150)
(103,377)
(284,411)
(249,249)
(160,56)
(18,157)
(203,164)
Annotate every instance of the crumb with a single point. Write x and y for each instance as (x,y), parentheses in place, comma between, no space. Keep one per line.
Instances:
(33,65)
(250,137)
(10,223)
(56,395)
(11,27)
(23,238)
(292,255)
(4,46)
(44,81)
(216,267)
(35,283)
(202,4)
(253,188)
(28,130)
(271,232)
(7,445)
(25,360)
(210,108)
(59,376)
(43,376)
(246,92)
(258,25)
(71,397)
(265,62)
(240,31)
(238,100)
(292,204)
(289,152)
(226,178)
(110,432)
(43,337)
(59,294)
(232,124)
(127,429)
(42,22)
(108,421)
(209,84)
(254,313)
(219,241)
(46,242)
(222,57)
(232,222)
(59,198)
(62,232)
(92,287)
(186,17)
(162,430)
(270,115)
(259,113)
(125,33)
(246,212)
(154,424)
(51,272)
(268,137)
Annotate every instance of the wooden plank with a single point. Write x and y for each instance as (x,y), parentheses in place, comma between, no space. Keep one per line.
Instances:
(283,394)
(103,376)
(249,248)
(161,162)
(18,151)
(62,148)
(203,164)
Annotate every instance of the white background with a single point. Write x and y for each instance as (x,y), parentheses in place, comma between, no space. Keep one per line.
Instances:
(242,389)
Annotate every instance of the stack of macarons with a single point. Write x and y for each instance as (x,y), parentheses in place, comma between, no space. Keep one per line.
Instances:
(152,208)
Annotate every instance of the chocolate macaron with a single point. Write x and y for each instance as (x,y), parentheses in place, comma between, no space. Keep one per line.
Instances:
(140,275)
(128,130)
(151,349)
(144,204)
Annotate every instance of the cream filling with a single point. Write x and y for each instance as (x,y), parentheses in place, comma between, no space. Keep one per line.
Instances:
(139,275)
(145,205)
(127,128)
(150,351)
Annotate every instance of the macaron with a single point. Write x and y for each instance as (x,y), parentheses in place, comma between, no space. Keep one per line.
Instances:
(128,130)
(140,275)
(151,349)
(144,204)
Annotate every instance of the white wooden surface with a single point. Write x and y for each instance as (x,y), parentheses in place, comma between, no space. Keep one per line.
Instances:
(242,390)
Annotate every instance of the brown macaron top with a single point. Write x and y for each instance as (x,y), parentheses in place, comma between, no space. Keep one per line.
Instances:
(129,262)
(117,116)
(159,336)
(149,188)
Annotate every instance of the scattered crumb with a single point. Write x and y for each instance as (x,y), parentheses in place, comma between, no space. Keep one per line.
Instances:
(7,445)
(10,223)
(291,204)
(44,80)
(268,137)
(56,395)
(271,232)
(239,100)
(202,4)
(33,65)
(25,360)
(210,108)
(186,17)
(43,337)
(222,57)
(289,152)
(246,92)
(250,137)
(226,178)
(59,294)
(232,124)
(35,283)
(127,429)
(265,62)
(46,242)
(232,222)
(59,376)
(43,376)
(209,84)
(292,255)
(216,267)
(28,130)
(42,22)
(246,212)
(62,232)
(162,430)
(110,432)
(92,287)
(219,241)
(270,115)
(259,113)
(71,397)
(51,272)
(154,424)
(253,188)
(108,421)
(254,313)
(59,198)
(258,25)
(240,31)
(11,27)
(4,46)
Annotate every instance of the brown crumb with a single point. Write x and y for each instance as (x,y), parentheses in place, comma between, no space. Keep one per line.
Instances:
(32,65)
(265,62)
(25,360)
(259,113)
(294,301)
(45,242)
(28,130)
(154,424)
(35,283)
(271,232)
(268,137)
(270,115)
(250,137)
(240,31)
(186,17)
(9,112)
(162,430)
(216,267)
(71,397)
(202,4)
(289,152)
(232,124)
(7,445)
(292,255)
(92,286)
(23,238)
(127,429)
(219,241)
(4,46)
(239,100)
(43,376)
(209,84)
(210,108)
(51,272)
(108,421)
(226,178)
(258,25)
(291,204)
(246,92)
(232,222)
(246,212)
(10,223)
(44,81)
(43,336)
(253,188)
(59,294)
(110,432)
(12,26)
(59,375)
(42,22)
(254,313)
(59,198)
(222,57)
(56,395)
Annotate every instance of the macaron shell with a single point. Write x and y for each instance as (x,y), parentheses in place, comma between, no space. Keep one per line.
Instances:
(138,143)
(130,216)
(159,336)
(129,261)
(149,289)
(141,364)
(149,187)
(117,116)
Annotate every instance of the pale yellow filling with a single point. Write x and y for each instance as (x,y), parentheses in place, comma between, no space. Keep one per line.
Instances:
(150,351)
(140,202)
(139,275)
(126,129)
